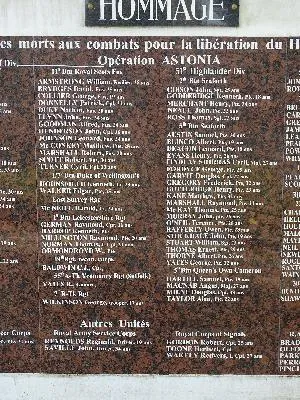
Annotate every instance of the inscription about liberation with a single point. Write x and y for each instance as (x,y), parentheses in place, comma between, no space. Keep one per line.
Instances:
(150,205)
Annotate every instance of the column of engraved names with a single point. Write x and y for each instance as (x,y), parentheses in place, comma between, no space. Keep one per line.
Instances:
(289,346)
(18,239)
(208,177)
(219,192)
(86,178)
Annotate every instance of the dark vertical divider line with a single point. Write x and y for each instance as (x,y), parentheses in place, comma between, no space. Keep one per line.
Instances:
(37,211)
(282,199)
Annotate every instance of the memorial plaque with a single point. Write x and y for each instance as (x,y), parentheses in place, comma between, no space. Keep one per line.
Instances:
(159,13)
(150,205)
